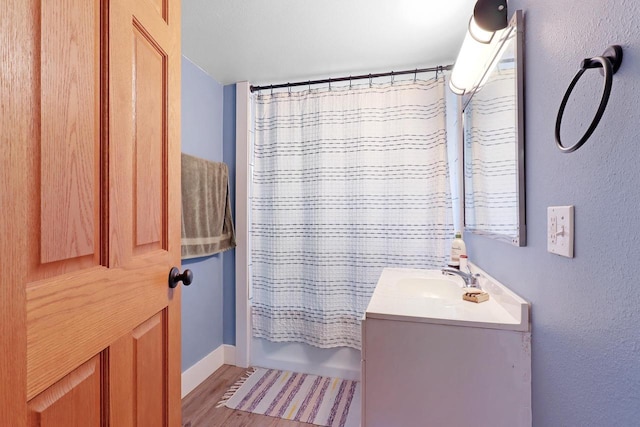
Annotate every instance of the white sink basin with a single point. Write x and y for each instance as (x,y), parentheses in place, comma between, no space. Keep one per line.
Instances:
(431,297)
(430,287)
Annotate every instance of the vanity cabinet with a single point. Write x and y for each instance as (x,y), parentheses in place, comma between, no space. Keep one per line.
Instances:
(421,371)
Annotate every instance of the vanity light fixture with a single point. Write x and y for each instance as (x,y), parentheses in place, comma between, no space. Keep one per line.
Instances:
(480,46)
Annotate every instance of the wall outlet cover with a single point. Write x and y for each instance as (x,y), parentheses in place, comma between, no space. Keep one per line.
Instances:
(560,230)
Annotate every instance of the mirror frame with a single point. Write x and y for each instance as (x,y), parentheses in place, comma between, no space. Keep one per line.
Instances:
(520,239)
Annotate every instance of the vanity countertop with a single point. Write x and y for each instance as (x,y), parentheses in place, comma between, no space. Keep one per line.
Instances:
(404,294)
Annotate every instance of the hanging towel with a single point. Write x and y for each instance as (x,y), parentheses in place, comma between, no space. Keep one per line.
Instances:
(207,227)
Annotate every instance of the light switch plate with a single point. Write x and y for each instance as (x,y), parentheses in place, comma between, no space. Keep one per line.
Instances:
(560,233)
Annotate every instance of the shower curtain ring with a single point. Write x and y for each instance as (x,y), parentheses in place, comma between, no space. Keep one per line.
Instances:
(392,77)
(309,85)
(349,82)
(329,84)
(415,75)
(370,80)
(289,88)
(271,90)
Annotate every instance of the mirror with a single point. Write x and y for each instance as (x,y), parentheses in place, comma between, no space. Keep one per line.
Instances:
(493,120)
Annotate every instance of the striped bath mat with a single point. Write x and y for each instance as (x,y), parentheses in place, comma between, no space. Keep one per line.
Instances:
(306,398)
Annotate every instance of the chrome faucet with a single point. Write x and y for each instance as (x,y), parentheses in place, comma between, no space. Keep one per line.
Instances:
(470,280)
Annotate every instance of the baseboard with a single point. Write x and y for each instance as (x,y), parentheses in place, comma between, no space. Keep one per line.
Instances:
(229,354)
(195,375)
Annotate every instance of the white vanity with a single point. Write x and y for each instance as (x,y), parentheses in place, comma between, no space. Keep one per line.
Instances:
(431,359)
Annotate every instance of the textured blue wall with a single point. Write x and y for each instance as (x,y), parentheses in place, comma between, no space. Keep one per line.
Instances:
(202,302)
(586,310)
(229,156)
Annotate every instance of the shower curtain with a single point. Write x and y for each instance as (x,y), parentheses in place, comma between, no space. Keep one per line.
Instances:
(345,181)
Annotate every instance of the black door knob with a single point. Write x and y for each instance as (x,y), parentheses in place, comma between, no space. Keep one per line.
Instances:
(174,277)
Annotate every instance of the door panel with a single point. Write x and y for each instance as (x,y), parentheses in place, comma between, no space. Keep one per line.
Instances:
(149,117)
(150,365)
(74,401)
(70,129)
(64,145)
(139,361)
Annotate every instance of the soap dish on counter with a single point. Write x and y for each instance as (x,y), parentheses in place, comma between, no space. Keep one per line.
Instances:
(475,295)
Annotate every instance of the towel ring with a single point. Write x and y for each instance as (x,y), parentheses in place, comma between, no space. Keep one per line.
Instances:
(610,63)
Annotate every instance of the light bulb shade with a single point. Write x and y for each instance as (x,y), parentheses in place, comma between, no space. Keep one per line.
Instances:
(491,15)
(475,57)
(478,34)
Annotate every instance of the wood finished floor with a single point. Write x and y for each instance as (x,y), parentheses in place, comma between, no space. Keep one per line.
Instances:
(199,406)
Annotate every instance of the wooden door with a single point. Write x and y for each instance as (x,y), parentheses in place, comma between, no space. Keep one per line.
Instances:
(90,189)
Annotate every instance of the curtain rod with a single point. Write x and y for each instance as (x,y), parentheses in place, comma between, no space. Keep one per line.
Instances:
(439,68)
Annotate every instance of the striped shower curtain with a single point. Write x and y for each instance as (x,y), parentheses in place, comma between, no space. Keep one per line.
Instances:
(345,182)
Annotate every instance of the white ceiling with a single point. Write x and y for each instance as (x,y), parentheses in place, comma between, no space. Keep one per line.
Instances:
(277,41)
